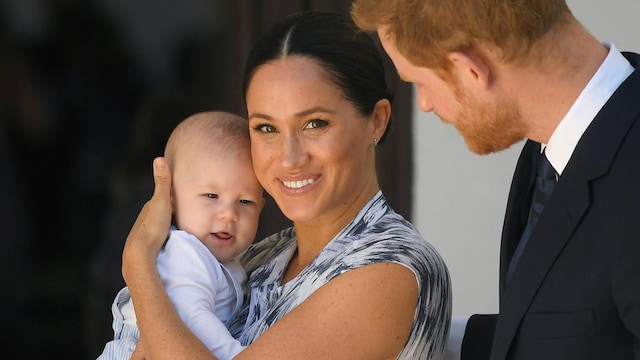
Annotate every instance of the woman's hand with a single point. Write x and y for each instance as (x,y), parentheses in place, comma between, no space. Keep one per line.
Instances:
(152,225)
(166,336)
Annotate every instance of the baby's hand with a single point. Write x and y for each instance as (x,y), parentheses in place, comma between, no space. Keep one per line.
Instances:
(138,353)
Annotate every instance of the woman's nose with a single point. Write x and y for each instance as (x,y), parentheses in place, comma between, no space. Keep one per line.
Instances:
(293,151)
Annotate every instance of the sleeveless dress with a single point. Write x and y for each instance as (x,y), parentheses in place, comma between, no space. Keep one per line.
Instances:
(376,235)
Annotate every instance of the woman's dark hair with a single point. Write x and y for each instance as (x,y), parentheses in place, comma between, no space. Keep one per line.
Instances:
(347,54)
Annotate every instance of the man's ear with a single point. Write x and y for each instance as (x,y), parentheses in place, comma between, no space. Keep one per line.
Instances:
(471,69)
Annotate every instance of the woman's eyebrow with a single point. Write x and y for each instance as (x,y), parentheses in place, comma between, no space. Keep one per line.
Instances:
(299,114)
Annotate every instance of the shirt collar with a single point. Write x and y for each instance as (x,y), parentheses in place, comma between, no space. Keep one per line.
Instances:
(612,72)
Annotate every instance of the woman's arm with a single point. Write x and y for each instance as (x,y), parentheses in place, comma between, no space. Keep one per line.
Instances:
(164,333)
(365,313)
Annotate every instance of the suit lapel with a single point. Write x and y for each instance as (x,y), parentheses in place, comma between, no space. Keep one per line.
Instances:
(518,205)
(558,221)
(591,159)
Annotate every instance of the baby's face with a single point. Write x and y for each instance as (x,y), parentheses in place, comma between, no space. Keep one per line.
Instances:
(217,198)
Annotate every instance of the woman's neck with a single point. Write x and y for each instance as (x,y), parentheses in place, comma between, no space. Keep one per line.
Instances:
(313,237)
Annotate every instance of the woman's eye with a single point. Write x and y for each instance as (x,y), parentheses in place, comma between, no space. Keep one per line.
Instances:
(265,128)
(212,196)
(317,123)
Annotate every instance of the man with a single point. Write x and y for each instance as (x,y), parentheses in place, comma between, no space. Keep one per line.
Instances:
(503,71)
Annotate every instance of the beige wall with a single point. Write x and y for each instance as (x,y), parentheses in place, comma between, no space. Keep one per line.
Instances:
(460,197)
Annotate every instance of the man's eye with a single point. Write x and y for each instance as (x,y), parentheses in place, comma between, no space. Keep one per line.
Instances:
(317,123)
(212,196)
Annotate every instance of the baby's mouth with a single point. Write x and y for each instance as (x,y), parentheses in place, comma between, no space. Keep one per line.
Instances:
(223,235)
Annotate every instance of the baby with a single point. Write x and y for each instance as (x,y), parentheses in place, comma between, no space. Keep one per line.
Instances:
(216,201)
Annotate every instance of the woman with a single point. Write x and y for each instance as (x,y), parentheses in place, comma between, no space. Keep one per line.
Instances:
(351,279)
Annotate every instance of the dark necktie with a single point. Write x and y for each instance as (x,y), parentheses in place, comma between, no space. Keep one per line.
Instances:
(545,182)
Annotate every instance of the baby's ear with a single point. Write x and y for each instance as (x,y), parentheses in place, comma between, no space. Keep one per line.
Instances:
(173,206)
(171,197)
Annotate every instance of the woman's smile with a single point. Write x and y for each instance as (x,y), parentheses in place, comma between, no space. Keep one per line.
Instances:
(298,184)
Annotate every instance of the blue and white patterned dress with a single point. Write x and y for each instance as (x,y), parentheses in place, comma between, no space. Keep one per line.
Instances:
(376,235)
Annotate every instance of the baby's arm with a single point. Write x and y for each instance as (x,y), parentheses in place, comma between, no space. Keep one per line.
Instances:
(138,353)
(194,280)
(126,335)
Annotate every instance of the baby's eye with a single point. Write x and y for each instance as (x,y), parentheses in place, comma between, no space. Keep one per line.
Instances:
(212,196)
(317,123)
(246,202)
(265,128)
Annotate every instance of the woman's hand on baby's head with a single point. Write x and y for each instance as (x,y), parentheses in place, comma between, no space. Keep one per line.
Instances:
(162,190)
(152,225)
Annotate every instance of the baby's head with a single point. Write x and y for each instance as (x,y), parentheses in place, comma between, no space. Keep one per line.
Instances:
(215,193)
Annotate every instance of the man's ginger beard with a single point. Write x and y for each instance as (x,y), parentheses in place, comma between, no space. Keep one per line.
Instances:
(486,127)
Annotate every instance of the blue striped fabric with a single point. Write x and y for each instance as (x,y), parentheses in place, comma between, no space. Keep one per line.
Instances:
(376,235)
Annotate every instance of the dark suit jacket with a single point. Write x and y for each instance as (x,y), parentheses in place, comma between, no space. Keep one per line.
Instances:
(576,291)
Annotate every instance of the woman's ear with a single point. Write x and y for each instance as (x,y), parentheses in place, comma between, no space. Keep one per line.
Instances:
(380,118)
(471,69)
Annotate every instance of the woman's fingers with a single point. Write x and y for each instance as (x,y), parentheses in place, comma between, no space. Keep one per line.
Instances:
(152,225)
(162,180)
(157,219)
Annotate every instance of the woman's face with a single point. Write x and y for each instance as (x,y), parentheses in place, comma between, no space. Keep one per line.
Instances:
(312,151)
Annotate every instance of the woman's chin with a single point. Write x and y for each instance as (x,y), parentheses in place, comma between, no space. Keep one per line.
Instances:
(297,211)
